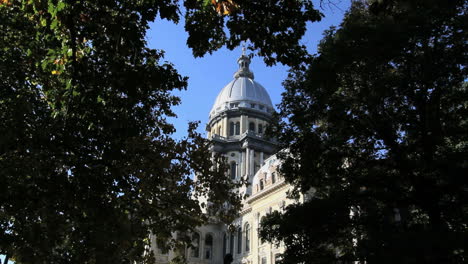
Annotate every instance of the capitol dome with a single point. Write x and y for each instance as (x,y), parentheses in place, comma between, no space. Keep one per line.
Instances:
(243,91)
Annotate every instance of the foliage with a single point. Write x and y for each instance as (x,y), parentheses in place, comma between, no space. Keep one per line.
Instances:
(273,27)
(88,167)
(377,126)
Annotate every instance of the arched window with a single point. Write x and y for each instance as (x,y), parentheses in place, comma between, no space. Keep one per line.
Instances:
(233,170)
(195,250)
(260,128)
(252,126)
(247,237)
(231,128)
(237,128)
(219,131)
(239,240)
(261,184)
(273,177)
(208,246)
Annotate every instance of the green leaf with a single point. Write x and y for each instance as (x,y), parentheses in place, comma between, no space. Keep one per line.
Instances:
(61,5)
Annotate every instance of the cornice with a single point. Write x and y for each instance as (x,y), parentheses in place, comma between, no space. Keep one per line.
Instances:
(245,211)
(235,112)
(266,191)
(247,139)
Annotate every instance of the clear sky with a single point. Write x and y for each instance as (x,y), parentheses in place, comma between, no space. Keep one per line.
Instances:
(208,75)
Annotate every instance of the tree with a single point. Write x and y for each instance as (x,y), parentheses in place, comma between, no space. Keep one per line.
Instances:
(88,168)
(274,27)
(384,108)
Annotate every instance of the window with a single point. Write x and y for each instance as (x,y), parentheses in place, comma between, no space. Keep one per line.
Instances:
(273,177)
(219,131)
(161,249)
(180,249)
(252,105)
(195,250)
(231,243)
(260,128)
(261,107)
(247,237)
(208,246)
(239,240)
(231,128)
(224,243)
(233,170)
(264,260)
(252,126)
(261,184)
(277,258)
(237,128)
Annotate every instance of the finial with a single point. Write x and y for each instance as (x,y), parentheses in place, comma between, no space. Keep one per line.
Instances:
(244,62)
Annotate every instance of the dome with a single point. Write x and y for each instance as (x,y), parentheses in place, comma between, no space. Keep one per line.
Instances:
(243,91)
(265,173)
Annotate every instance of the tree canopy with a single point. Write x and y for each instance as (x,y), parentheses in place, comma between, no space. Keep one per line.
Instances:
(376,127)
(87,165)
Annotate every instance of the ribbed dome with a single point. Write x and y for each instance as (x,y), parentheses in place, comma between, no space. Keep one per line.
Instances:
(243,91)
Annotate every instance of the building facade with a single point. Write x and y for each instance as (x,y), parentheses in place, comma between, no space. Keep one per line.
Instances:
(236,127)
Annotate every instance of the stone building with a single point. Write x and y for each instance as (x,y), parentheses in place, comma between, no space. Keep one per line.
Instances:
(236,126)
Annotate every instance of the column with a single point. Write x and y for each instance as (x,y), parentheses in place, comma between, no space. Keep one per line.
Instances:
(243,122)
(251,161)
(242,163)
(261,158)
(247,159)
(226,128)
(213,160)
(239,165)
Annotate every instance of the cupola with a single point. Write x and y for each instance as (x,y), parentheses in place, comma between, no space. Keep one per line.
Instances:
(242,92)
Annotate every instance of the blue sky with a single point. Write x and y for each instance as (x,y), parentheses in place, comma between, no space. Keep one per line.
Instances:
(208,75)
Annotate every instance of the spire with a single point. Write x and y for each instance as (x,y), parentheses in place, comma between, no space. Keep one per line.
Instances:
(244,62)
